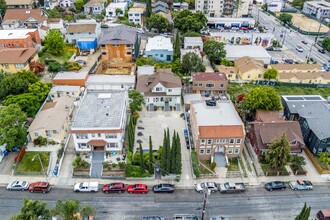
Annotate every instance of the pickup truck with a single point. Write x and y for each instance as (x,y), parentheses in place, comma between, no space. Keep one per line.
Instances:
(232,187)
(301,185)
(86,187)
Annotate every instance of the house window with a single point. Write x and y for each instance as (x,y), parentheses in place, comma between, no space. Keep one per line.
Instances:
(161,55)
(236,150)
(169,90)
(217,141)
(238,141)
(19,65)
(129,53)
(81,136)
(110,135)
(159,89)
(99,135)
(203,141)
(93,135)
(230,150)
(221,85)
(112,145)
(259,75)
(209,141)
(224,141)
(102,45)
(209,85)
(198,84)
(36,134)
(231,140)
(104,53)
(201,151)
(208,151)
(55,132)
(82,145)
(128,45)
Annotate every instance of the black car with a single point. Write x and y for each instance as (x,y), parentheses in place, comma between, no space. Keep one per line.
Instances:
(321,50)
(275,185)
(163,188)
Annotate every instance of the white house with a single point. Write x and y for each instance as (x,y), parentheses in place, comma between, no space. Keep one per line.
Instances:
(135,15)
(110,82)
(78,31)
(193,42)
(159,48)
(67,3)
(94,7)
(274,5)
(162,89)
(51,4)
(60,91)
(110,10)
(317,9)
(11,24)
(100,122)
(195,51)
(56,24)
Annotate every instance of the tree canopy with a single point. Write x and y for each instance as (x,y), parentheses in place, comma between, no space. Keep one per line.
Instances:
(158,22)
(40,90)
(279,153)
(32,210)
(12,126)
(215,51)
(148,9)
(137,100)
(79,4)
(177,46)
(28,102)
(298,3)
(3,7)
(54,42)
(188,21)
(262,97)
(271,74)
(305,213)
(192,63)
(326,43)
(285,18)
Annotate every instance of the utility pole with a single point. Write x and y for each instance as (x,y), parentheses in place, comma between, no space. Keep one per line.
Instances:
(318,32)
(283,39)
(206,193)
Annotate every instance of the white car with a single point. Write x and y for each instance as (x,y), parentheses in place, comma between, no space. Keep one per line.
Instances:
(213,187)
(86,187)
(18,185)
(300,49)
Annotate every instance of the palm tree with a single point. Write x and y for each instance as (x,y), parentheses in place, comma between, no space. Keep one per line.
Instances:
(32,209)
(71,209)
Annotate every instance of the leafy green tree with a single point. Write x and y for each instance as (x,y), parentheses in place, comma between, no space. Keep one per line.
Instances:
(55,67)
(3,8)
(28,102)
(168,152)
(141,61)
(141,158)
(32,210)
(276,43)
(54,42)
(279,153)
(12,85)
(79,4)
(69,209)
(27,75)
(148,9)
(178,159)
(192,63)
(165,163)
(54,13)
(187,21)
(173,153)
(3,75)
(151,157)
(158,22)
(305,213)
(262,97)
(137,101)
(215,51)
(326,43)
(40,90)
(298,3)
(324,158)
(271,74)
(285,18)
(12,126)
(177,46)
(226,62)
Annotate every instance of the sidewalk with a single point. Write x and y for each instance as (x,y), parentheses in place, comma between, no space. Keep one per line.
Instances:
(207,64)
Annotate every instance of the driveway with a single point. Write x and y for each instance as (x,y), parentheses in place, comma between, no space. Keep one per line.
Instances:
(7,164)
(96,166)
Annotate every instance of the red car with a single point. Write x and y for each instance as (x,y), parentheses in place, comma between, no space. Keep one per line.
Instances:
(42,187)
(304,42)
(114,187)
(137,188)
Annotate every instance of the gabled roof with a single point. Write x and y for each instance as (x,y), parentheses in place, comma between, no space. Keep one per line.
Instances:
(245,64)
(159,4)
(317,117)
(146,83)
(136,10)
(266,132)
(16,55)
(304,75)
(81,28)
(121,34)
(208,76)
(268,116)
(297,67)
(23,14)
(227,69)
(94,2)
(160,9)
(18,2)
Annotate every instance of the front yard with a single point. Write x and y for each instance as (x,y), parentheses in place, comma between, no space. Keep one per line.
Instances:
(43,56)
(30,163)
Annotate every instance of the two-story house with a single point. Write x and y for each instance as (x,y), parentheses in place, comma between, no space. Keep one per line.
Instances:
(159,48)
(217,130)
(230,71)
(116,9)
(94,7)
(162,89)
(67,4)
(60,91)
(13,60)
(209,83)
(21,38)
(136,15)
(56,24)
(52,120)
(193,42)
(27,18)
(80,31)
(120,43)
(110,82)
(12,4)
(249,68)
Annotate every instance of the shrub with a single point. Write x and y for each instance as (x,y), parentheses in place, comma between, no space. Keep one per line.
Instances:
(121,165)
(195,163)
(105,164)
(41,141)
(213,165)
(60,152)
(113,165)
(49,61)
(54,67)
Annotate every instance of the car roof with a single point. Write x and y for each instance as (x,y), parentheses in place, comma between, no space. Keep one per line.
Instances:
(140,185)
(43,184)
(116,184)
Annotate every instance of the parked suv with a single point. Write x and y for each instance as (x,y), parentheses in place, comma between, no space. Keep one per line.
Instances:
(114,187)
(43,187)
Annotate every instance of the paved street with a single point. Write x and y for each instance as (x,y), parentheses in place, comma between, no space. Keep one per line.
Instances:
(255,203)
(292,39)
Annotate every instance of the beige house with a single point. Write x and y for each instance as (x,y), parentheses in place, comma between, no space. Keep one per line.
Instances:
(297,68)
(209,83)
(230,71)
(250,69)
(52,120)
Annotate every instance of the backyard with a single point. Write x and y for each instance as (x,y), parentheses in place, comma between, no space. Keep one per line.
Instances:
(43,56)
(30,163)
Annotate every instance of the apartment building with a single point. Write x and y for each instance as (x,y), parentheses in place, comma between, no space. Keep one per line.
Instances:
(215,8)
(317,9)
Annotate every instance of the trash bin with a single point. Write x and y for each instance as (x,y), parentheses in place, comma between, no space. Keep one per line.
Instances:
(55,171)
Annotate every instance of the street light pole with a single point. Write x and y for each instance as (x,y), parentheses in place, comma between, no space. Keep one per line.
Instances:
(42,166)
(206,193)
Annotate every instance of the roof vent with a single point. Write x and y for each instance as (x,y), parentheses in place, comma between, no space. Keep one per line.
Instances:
(104,96)
(27,12)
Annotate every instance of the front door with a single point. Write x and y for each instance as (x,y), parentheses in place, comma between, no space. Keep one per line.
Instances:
(98,148)
(219,149)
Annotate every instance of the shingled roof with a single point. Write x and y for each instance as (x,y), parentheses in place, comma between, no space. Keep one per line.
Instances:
(23,14)
(121,34)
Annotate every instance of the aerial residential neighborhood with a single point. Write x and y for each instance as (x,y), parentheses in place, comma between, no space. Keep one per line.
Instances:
(164,109)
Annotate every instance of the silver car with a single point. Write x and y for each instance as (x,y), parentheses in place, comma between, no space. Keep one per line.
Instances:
(18,185)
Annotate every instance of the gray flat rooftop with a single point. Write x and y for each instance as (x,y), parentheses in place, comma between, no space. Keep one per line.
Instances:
(224,113)
(101,111)
(71,75)
(110,79)
(297,102)
(64,89)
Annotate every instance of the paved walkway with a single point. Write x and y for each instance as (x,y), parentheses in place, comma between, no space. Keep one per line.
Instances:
(207,64)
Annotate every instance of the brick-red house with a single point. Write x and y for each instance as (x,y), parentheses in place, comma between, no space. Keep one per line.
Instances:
(21,38)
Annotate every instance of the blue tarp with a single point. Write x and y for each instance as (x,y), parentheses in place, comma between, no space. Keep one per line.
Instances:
(87,44)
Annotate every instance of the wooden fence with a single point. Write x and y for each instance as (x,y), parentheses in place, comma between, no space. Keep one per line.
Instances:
(316,163)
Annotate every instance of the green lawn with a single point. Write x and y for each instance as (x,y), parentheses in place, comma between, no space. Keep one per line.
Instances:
(236,88)
(233,165)
(61,59)
(28,166)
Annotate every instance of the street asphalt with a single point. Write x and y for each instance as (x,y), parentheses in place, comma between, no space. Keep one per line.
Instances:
(255,203)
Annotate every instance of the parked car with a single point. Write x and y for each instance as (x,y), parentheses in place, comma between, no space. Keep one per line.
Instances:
(289,61)
(301,185)
(321,50)
(207,185)
(275,185)
(232,187)
(18,185)
(311,59)
(300,49)
(86,187)
(81,62)
(137,188)
(323,215)
(43,187)
(114,187)
(163,188)
(304,42)
(152,218)
(265,28)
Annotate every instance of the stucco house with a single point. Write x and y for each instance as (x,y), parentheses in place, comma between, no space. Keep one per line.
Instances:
(83,30)
(28,18)
(94,7)
(250,69)
(209,83)
(162,89)
(13,60)
(193,42)
(116,9)
(159,48)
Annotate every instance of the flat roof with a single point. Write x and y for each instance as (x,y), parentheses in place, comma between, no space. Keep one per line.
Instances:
(302,98)
(145,70)
(320,4)
(114,5)
(232,20)
(242,35)
(100,110)
(159,43)
(237,51)
(110,79)
(188,98)
(15,34)
(71,75)
(224,113)
(64,89)
(193,40)
(296,102)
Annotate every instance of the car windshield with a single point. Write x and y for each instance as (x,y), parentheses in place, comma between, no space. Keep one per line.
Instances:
(134,186)
(23,183)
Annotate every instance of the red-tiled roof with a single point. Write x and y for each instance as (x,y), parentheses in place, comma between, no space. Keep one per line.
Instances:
(230,131)
(207,76)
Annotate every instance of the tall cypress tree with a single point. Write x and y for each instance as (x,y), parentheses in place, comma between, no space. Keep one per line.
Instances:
(168,152)
(177,46)
(163,155)
(141,158)
(148,9)
(304,214)
(151,157)
(173,153)
(178,158)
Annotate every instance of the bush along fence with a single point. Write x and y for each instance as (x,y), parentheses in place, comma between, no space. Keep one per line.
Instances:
(316,164)
(306,32)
